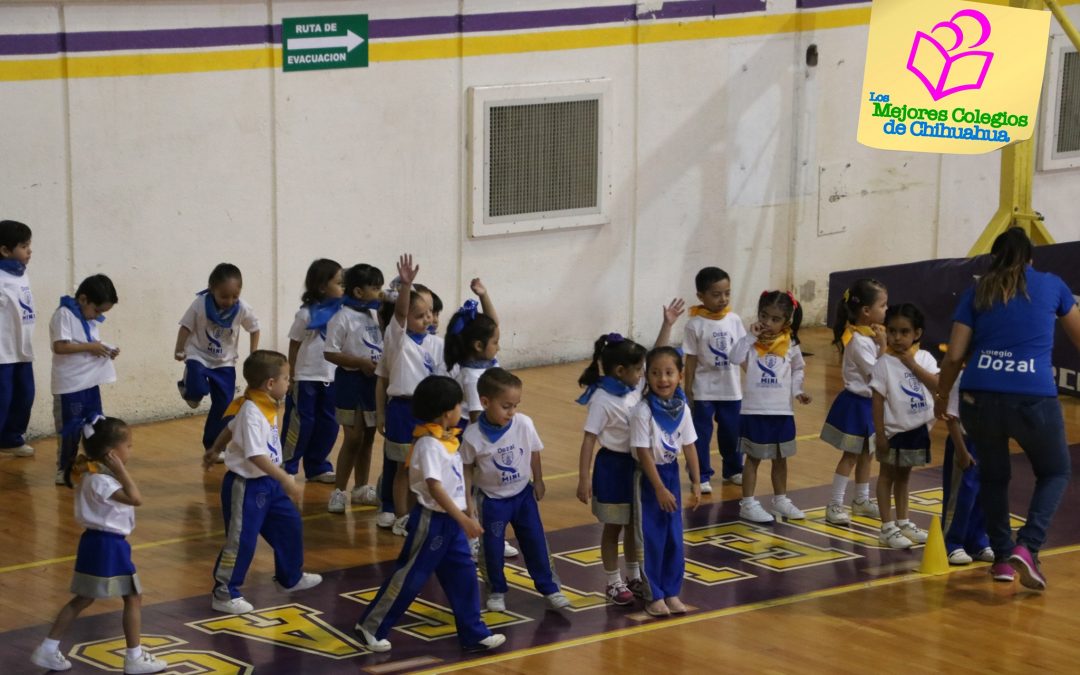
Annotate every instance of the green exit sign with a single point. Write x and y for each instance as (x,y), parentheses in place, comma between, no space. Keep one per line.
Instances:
(324,42)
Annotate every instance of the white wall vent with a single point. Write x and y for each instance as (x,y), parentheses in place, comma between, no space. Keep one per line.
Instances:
(1059,139)
(539,157)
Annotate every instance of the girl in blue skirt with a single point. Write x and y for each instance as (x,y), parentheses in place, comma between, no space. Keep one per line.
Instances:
(105,501)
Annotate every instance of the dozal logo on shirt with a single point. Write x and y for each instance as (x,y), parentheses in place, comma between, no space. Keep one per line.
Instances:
(214,339)
(26,304)
(504,462)
(723,342)
(767,365)
(459,488)
(275,453)
(914,390)
(951,76)
(1003,361)
(429,362)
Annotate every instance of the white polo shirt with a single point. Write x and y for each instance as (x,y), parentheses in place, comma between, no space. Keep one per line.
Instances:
(771,380)
(211,344)
(310,365)
(410,363)
(17,316)
(81,371)
(860,355)
(609,418)
(716,378)
(94,509)
(646,433)
(355,333)
(503,467)
(252,436)
(430,459)
(908,403)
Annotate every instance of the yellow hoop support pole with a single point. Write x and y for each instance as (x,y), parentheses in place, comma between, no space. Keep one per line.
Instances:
(1018,166)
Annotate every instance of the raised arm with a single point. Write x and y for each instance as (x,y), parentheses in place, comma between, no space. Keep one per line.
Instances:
(672,312)
(407,275)
(486,304)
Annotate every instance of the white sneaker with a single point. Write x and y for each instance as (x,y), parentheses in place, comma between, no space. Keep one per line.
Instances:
(491,642)
(913,532)
(754,512)
(338,501)
(23,450)
(706,488)
(782,508)
(866,508)
(307,580)
(735,479)
(837,514)
(325,477)
(191,404)
(400,527)
(385,519)
(894,538)
(557,601)
(369,640)
(50,660)
(59,479)
(232,606)
(365,495)
(508,550)
(220,459)
(960,557)
(985,555)
(496,602)
(146,663)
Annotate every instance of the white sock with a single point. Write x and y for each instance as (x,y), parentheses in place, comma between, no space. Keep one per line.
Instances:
(747,501)
(839,487)
(885,527)
(613,576)
(862,492)
(134,653)
(901,523)
(778,498)
(49,645)
(633,570)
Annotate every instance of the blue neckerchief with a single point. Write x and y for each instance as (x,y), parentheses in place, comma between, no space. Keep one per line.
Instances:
(321,313)
(418,338)
(361,305)
(462,318)
(432,330)
(480,364)
(12,266)
(608,384)
(490,431)
(214,314)
(668,413)
(72,304)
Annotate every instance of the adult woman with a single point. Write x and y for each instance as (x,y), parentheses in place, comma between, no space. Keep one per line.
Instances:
(1004,328)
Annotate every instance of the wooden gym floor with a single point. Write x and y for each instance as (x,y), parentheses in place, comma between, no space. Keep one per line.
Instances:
(789,599)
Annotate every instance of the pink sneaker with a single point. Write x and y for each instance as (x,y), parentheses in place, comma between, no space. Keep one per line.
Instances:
(1002,571)
(619,594)
(1027,567)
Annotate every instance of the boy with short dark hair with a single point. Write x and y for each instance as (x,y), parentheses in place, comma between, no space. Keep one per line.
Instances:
(256,493)
(501,453)
(17,317)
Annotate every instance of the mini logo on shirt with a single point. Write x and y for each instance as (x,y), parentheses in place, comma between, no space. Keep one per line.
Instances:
(275,453)
(670,445)
(376,350)
(459,489)
(504,463)
(916,397)
(429,362)
(214,342)
(767,366)
(26,304)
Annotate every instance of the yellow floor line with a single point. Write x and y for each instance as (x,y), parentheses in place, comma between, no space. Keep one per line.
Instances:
(714,614)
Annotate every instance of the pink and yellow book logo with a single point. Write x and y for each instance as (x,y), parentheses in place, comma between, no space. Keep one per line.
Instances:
(951,76)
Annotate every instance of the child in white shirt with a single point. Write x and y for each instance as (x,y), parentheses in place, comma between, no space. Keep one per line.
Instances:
(17,318)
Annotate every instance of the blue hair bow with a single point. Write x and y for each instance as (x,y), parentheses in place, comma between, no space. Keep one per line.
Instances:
(614,338)
(462,318)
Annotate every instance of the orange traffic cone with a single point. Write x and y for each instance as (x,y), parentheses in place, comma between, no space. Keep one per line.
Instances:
(934,560)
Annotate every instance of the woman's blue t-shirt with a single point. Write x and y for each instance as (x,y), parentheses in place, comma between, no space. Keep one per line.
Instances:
(1011,342)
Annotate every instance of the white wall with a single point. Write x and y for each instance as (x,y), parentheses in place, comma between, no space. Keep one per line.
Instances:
(725,152)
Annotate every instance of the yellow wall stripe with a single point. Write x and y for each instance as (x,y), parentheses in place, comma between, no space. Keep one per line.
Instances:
(455,47)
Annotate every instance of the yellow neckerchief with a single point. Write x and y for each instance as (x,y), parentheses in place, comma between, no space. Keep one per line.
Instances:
(911,351)
(266,405)
(699,310)
(851,329)
(778,344)
(448,437)
(83,466)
